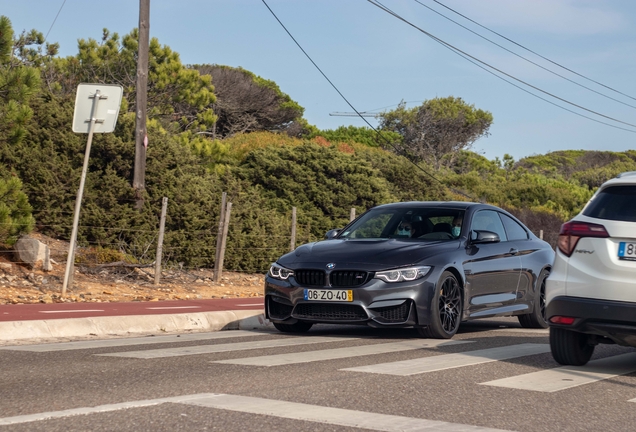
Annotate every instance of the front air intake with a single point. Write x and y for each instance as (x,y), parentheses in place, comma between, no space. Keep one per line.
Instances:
(310,277)
(348,278)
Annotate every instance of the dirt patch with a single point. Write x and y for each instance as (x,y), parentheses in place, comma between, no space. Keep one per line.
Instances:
(20,284)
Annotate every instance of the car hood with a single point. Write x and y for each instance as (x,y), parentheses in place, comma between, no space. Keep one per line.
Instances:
(363,254)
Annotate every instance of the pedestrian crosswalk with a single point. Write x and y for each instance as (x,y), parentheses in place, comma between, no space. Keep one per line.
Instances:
(565,377)
(450,361)
(219,348)
(423,356)
(268,407)
(338,353)
(120,342)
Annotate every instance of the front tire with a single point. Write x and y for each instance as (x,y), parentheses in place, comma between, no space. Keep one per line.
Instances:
(537,318)
(297,327)
(570,348)
(445,310)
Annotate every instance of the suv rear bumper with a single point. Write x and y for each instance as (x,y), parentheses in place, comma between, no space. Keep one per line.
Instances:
(610,319)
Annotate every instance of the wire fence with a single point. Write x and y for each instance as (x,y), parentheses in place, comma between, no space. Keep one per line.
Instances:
(145,247)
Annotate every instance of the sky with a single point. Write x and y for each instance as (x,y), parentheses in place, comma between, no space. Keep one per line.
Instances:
(375,61)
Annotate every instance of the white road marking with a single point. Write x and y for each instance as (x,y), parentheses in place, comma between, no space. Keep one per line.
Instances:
(273,408)
(239,346)
(72,310)
(552,380)
(328,415)
(450,361)
(28,418)
(338,353)
(251,304)
(523,330)
(174,307)
(147,340)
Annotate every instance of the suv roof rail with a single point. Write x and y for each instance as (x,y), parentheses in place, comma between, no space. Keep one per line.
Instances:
(626,174)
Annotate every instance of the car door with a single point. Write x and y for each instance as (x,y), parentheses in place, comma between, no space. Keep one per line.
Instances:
(492,269)
(519,239)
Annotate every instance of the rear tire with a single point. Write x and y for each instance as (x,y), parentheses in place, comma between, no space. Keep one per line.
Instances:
(570,348)
(298,327)
(445,309)
(537,318)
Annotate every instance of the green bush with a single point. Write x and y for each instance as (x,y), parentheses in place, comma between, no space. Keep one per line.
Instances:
(15,211)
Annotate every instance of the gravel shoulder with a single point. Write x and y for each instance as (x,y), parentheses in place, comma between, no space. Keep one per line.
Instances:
(20,284)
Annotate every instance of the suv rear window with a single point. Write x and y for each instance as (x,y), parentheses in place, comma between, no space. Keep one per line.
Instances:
(614,203)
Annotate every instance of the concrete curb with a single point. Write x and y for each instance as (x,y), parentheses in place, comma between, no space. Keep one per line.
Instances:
(131,325)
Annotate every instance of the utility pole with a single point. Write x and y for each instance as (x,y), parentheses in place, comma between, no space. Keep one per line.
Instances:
(141,135)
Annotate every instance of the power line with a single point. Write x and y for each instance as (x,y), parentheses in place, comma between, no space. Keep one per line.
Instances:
(369,113)
(466,56)
(533,52)
(349,114)
(355,110)
(58,14)
(524,58)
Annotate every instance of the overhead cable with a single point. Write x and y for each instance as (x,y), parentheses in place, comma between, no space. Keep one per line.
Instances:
(524,58)
(535,53)
(465,55)
(58,14)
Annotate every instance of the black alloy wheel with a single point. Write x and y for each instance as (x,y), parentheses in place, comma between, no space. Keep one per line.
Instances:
(297,327)
(537,318)
(446,309)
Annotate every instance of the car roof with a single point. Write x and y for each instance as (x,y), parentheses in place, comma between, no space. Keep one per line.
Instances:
(458,205)
(626,178)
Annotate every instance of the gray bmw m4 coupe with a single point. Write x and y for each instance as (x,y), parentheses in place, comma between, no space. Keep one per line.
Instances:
(428,265)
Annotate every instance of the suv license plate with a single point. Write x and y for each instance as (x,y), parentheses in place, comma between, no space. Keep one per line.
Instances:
(328,295)
(627,251)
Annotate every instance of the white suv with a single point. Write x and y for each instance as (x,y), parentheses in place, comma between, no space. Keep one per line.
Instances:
(591,291)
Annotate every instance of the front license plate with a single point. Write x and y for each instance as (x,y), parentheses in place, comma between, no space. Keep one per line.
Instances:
(627,251)
(329,295)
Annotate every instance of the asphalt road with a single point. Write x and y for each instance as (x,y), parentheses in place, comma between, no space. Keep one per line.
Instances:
(334,378)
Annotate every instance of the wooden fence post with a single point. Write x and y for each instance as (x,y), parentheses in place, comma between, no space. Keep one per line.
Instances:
(352,214)
(541,234)
(162,226)
(226,224)
(292,245)
(219,235)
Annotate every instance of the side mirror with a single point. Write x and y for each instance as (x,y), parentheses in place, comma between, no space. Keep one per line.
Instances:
(479,236)
(332,233)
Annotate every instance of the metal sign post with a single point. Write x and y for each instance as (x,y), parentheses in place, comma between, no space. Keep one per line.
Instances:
(102,119)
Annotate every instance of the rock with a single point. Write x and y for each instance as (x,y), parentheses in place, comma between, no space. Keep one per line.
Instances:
(33,252)
(5,266)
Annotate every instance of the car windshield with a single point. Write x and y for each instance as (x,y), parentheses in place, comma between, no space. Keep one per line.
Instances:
(407,223)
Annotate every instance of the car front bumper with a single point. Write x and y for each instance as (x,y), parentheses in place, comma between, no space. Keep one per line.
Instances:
(377,304)
(613,320)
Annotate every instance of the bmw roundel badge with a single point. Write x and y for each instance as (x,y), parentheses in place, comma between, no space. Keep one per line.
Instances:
(330,266)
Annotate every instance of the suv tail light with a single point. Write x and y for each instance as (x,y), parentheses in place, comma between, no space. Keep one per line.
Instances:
(572,231)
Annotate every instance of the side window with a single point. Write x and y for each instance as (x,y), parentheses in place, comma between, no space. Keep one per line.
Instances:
(513,229)
(488,220)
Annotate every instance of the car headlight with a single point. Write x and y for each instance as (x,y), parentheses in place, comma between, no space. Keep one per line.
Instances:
(278,272)
(403,274)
